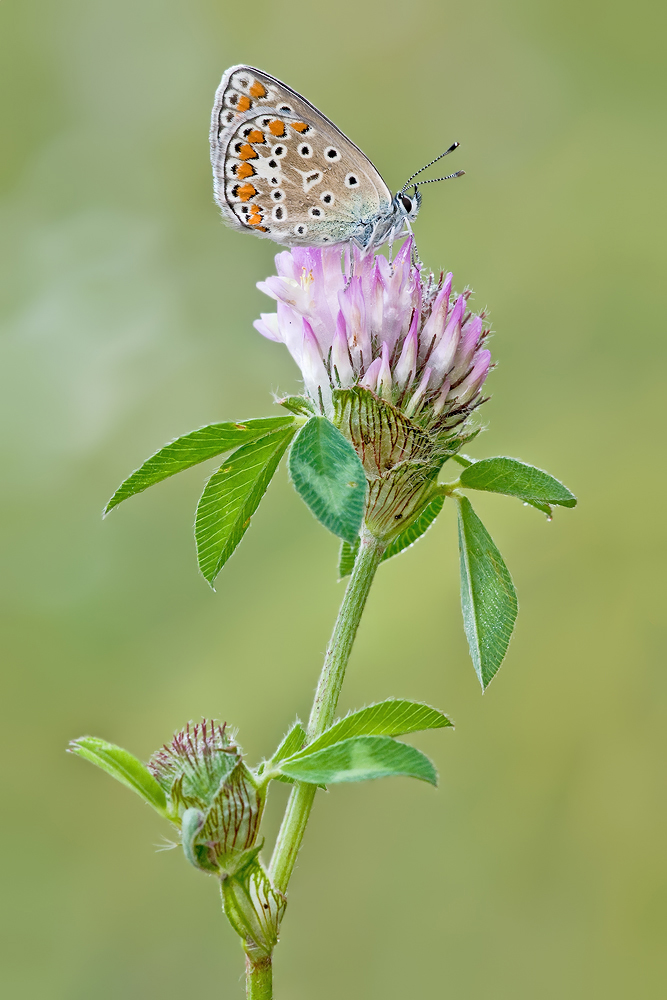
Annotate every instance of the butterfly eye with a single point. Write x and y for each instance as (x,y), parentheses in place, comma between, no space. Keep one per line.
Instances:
(351,180)
(332,154)
(327,198)
(305,150)
(407,203)
(279,151)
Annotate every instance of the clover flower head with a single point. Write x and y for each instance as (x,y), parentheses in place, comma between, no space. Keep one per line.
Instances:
(382,326)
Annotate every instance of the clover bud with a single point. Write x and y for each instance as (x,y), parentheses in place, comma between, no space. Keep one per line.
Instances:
(211,795)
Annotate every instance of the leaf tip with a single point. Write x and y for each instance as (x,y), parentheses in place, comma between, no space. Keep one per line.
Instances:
(432,778)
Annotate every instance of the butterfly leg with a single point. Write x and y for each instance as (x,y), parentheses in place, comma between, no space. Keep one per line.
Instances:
(416,259)
(349,261)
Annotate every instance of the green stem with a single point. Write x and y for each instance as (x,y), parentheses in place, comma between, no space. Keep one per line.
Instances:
(258,979)
(324,704)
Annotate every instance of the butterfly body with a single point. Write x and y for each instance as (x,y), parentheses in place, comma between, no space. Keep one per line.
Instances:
(285,172)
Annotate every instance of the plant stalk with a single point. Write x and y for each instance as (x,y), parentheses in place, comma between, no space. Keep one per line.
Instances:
(259,979)
(325,702)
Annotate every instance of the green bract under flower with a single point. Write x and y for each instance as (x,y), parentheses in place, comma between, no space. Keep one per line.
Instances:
(401,460)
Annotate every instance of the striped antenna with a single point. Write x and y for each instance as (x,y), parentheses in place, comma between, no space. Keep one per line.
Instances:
(459,173)
(451,149)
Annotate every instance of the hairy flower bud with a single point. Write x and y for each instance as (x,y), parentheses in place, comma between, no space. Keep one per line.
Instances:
(211,794)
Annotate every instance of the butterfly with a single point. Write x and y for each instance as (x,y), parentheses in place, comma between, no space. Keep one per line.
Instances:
(285,172)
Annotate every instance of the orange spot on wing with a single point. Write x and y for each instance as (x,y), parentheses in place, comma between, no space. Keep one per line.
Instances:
(277,128)
(245,192)
(258,89)
(255,216)
(299,126)
(262,229)
(244,170)
(255,136)
(244,104)
(246,152)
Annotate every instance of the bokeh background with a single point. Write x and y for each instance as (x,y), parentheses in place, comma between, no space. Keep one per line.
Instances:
(537,869)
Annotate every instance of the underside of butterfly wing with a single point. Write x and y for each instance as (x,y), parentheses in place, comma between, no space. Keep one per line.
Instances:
(285,172)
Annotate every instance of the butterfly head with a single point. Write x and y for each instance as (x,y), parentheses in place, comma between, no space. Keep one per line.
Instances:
(406,206)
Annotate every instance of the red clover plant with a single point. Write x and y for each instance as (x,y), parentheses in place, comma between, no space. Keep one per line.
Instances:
(394,366)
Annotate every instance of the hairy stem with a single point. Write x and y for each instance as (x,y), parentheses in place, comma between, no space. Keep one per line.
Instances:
(324,705)
(259,979)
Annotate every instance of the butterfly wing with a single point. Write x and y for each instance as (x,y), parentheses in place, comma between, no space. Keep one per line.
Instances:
(284,171)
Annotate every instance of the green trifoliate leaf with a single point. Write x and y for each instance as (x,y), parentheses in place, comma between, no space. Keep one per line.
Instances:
(291,744)
(361,758)
(516,479)
(488,598)
(189,450)
(231,497)
(122,766)
(329,477)
(394,717)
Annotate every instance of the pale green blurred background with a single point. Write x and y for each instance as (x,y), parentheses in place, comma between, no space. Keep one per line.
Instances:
(537,869)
